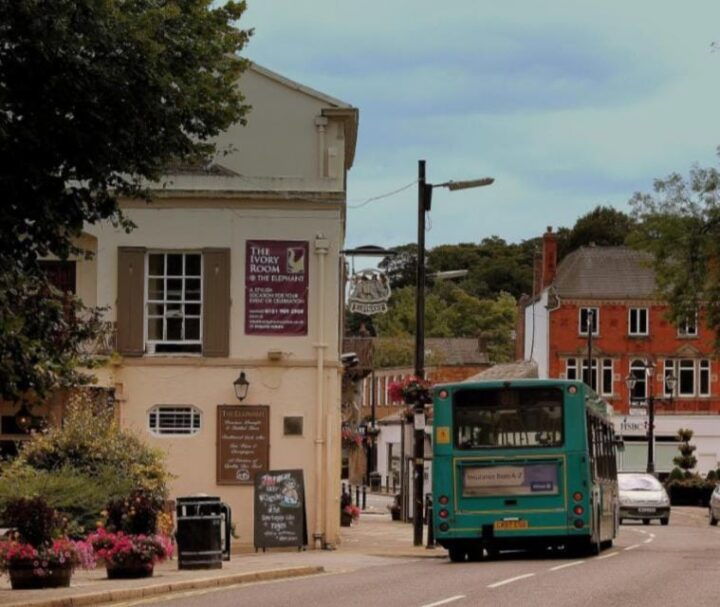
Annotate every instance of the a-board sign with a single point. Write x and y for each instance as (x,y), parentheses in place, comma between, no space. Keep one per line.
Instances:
(243,443)
(280,509)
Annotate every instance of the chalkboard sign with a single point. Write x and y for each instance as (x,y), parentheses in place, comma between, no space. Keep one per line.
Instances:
(280,509)
(243,443)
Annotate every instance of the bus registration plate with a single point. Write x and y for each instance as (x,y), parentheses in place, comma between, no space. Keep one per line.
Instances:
(512,524)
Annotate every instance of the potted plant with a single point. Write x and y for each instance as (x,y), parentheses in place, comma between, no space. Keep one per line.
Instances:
(37,554)
(411,390)
(128,544)
(348,512)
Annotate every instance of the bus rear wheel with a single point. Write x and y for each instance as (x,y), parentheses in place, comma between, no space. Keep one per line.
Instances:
(457,554)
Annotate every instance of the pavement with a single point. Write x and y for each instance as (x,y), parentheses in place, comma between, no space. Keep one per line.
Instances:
(373,535)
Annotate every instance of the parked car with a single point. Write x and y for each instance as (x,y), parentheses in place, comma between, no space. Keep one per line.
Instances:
(715,506)
(642,497)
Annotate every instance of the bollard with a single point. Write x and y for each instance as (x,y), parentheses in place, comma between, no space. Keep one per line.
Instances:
(357,495)
(429,521)
(387,484)
(364,496)
(343,488)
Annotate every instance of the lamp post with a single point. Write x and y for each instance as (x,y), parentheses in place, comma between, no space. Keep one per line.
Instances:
(424,203)
(631,381)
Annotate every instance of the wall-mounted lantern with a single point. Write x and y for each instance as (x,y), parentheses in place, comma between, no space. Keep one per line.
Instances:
(241,385)
(23,418)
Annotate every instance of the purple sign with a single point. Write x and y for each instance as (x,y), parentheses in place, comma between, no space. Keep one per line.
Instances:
(528,479)
(276,287)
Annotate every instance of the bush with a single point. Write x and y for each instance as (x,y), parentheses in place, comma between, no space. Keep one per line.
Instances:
(91,441)
(690,491)
(136,514)
(711,476)
(77,496)
(33,520)
(676,474)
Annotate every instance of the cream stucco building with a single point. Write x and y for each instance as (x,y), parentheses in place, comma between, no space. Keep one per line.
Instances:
(183,293)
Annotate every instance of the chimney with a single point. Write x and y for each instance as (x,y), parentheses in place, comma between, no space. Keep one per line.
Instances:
(549,257)
(537,273)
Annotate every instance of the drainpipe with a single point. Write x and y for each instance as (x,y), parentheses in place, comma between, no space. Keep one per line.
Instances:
(321,123)
(322,245)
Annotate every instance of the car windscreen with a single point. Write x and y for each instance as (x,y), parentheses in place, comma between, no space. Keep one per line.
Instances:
(638,482)
(508,417)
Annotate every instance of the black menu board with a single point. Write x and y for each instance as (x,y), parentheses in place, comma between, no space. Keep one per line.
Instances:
(243,443)
(280,509)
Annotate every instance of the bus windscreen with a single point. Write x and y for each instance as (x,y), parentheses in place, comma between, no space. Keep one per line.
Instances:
(508,417)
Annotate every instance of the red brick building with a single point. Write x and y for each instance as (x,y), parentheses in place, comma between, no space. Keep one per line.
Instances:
(611,292)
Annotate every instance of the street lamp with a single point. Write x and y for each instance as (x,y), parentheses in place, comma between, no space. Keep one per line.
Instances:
(424,203)
(631,380)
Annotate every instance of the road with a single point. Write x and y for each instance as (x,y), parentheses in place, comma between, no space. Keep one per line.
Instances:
(651,565)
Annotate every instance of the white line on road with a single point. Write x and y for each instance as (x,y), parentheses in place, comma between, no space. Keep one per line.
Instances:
(566,565)
(445,601)
(647,541)
(509,580)
(607,556)
(633,547)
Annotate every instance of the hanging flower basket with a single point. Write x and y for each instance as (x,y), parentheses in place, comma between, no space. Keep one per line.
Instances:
(411,390)
(351,437)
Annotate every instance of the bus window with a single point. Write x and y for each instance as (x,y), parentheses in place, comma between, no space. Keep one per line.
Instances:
(511,417)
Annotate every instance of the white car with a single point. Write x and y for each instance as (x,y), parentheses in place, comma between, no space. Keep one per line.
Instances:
(715,506)
(642,497)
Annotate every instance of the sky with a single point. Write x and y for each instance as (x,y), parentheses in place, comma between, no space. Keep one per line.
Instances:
(568,104)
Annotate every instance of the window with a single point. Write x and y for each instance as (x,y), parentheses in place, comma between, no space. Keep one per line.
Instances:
(638,371)
(607,376)
(513,417)
(592,314)
(60,274)
(638,321)
(293,426)
(174,302)
(704,386)
(688,328)
(174,420)
(686,377)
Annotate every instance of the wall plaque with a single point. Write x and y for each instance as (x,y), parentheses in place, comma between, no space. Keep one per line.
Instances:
(243,443)
(276,287)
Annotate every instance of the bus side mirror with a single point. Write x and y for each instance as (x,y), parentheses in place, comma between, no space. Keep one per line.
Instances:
(619,444)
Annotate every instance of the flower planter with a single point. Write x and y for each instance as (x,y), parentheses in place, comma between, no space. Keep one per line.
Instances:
(130,570)
(26,576)
(345,519)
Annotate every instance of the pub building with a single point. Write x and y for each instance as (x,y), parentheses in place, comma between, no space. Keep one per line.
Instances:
(226,301)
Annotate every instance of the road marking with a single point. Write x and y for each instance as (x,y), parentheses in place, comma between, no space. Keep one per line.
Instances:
(445,601)
(633,547)
(566,565)
(509,580)
(607,556)
(647,541)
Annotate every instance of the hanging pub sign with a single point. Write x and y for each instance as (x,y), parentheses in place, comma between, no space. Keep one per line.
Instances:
(276,287)
(369,292)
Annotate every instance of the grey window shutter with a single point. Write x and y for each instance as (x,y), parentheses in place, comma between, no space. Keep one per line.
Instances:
(216,302)
(130,301)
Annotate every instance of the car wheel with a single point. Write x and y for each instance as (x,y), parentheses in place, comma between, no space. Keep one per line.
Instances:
(713,520)
(665,521)
(646,521)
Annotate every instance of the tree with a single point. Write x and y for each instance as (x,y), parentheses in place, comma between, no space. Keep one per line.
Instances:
(603,226)
(686,460)
(96,100)
(401,268)
(679,224)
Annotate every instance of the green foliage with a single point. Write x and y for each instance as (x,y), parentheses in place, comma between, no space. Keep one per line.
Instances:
(676,474)
(79,497)
(135,514)
(97,99)
(686,460)
(679,224)
(603,226)
(711,476)
(33,519)
(401,268)
(449,312)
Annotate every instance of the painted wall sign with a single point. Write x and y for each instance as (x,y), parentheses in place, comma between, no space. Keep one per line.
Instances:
(280,509)
(276,287)
(369,292)
(243,443)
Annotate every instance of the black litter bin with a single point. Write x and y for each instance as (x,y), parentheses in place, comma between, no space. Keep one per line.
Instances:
(375,481)
(203,532)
